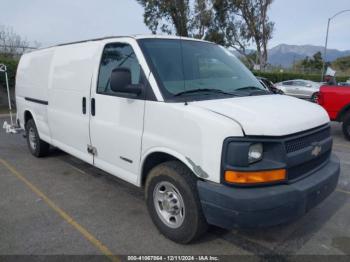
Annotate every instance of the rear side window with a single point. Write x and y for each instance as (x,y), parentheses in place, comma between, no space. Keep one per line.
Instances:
(114,56)
(288,83)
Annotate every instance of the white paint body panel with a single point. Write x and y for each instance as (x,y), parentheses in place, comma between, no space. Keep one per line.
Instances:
(32,80)
(134,129)
(188,132)
(71,75)
(269,115)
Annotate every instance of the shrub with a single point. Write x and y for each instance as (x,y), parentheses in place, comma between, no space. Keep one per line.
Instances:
(11,64)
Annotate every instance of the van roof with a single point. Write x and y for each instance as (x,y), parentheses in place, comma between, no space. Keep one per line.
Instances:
(130,36)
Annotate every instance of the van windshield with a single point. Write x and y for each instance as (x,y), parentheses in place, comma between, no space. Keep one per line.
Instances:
(194,70)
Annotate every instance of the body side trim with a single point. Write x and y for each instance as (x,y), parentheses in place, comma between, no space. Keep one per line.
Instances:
(36,101)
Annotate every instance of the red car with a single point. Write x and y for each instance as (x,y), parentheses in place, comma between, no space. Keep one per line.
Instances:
(336,101)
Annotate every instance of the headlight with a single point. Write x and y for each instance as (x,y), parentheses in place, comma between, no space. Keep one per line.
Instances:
(255,153)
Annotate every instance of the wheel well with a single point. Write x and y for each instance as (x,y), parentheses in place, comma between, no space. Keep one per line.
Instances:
(153,160)
(345,111)
(27,115)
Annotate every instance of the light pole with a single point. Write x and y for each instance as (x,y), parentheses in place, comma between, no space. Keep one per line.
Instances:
(325,46)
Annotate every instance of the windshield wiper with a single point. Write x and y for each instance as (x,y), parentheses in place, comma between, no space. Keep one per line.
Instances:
(218,91)
(253,90)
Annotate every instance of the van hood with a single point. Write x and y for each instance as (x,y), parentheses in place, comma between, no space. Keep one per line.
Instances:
(268,115)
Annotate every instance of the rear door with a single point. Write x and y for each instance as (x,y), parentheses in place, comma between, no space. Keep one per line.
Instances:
(116,122)
(308,89)
(304,89)
(300,88)
(288,87)
(296,87)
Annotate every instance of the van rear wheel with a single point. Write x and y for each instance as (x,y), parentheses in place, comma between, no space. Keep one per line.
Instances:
(173,202)
(37,147)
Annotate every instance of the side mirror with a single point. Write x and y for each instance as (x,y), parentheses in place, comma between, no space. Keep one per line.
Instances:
(121,81)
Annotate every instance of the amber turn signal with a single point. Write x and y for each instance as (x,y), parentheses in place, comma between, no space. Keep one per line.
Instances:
(255,177)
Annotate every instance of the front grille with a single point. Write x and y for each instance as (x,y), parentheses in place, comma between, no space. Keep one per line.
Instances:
(304,168)
(305,141)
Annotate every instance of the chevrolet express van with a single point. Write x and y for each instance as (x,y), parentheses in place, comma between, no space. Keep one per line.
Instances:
(185,120)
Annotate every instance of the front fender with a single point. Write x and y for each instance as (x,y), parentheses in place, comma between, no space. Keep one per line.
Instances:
(184,159)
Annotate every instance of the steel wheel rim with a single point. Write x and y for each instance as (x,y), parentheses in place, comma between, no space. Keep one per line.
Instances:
(169,204)
(32,138)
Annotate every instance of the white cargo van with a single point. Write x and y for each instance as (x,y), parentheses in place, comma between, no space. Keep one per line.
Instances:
(187,121)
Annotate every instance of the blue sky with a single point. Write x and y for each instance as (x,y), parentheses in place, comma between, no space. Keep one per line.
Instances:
(55,21)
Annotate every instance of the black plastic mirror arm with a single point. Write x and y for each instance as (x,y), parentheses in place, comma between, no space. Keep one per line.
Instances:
(135,89)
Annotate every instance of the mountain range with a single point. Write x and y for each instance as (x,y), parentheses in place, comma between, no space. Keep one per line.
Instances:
(285,55)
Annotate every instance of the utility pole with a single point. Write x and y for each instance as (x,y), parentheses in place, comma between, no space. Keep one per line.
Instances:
(325,46)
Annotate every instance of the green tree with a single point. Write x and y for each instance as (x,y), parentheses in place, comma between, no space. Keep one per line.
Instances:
(314,63)
(342,65)
(11,64)
(179,17)
(167,16)
(243,23)
(317,61)
(237,24)
(202,18)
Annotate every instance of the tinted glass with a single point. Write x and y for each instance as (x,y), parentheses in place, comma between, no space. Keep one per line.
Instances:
(263,84)
(114,56)
(300,83)
(182,65)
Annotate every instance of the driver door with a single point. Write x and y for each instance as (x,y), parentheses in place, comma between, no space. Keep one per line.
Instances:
(116,122)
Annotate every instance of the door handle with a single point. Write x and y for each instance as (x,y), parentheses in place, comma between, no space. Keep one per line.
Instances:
(84,105)
(93,110)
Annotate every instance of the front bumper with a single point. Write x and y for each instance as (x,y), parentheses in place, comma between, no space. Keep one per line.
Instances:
(231,207)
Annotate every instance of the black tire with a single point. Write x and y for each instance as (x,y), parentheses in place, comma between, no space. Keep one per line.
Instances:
(37,147)
(194,223)
(314,97)
(346,126)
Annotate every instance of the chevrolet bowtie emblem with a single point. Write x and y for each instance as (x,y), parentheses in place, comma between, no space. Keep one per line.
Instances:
(316,150)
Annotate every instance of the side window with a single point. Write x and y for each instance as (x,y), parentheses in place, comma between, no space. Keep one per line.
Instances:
(288,83)
(263,84)
(301,83)
(117,55)
(307,84)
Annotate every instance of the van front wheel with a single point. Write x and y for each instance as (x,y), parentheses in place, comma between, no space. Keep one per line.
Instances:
(37,147)
(173,202)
